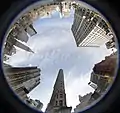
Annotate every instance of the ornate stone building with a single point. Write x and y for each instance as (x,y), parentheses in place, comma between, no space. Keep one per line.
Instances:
(57,102)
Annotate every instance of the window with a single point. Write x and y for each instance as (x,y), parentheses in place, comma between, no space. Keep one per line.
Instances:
(61,85)
(56,103)
(56,95)
(61,95)
(61,103)
(26,90)
(60,91)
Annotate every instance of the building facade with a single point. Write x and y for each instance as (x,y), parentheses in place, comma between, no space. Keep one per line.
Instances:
(19,32)
(22,80)
(103,75)
(23,28)
(58,0)
(57,102)
(84,102)
(111,43)
(89,29)
(34,104)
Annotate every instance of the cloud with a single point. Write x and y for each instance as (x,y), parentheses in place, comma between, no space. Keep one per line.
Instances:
(77,86)
(55,48)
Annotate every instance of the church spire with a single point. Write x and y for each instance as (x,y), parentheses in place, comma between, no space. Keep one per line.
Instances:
(58,98)
(60,80)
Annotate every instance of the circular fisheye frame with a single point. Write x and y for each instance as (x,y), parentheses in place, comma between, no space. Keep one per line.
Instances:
(60,56)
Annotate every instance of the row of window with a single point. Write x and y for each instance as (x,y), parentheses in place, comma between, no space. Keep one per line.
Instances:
(26,77)
(20,81)
(61,95)
(104,26)
(60,103)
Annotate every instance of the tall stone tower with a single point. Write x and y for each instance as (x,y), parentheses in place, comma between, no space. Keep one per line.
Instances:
(58,100)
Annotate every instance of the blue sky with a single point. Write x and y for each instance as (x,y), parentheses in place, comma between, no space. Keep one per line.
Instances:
(55,48)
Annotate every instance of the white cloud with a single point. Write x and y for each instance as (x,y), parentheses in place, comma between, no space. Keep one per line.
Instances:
(55,48)
(76,86)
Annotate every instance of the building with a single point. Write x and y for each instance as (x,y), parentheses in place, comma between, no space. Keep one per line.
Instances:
(107,66)
(15,39)
(66,8)
(103,75)
(18,33)
(9,49)
(89,29)
(31,30)
(43,10)
(46,10)
(26,22)
(34,103)
(23,46)
(57,102)
(84,102)
(22,27)
(22,80)
(111,43)
(5,57)
(11,42)
(58,0)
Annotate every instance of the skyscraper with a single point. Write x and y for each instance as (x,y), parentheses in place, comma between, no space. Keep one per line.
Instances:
(58,100)
(22,80)
(23,46)
(30,30)
(89,29)
(18,34)
(11,42)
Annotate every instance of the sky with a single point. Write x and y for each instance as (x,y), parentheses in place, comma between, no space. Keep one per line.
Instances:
(55,49)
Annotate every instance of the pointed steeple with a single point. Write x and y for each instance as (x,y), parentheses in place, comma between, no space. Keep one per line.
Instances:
(22,46)
(58,98)
(59,80)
